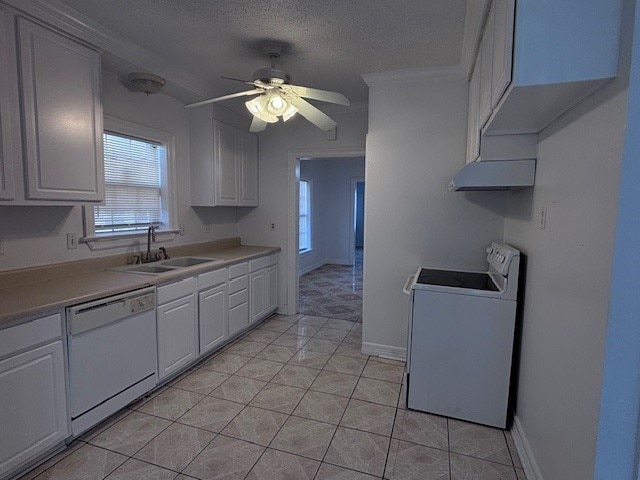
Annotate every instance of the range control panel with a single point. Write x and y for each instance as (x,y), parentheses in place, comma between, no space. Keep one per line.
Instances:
(500,255)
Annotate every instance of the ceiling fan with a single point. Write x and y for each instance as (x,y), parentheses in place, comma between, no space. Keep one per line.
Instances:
(276,97)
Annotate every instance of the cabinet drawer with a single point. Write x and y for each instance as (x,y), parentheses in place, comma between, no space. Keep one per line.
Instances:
(179,289)
(211,279)
(238,284)
(237,270)
(238,298)
(31,333)
(263,262)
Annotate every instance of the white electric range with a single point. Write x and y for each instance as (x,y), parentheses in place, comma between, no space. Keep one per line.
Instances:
(461,333)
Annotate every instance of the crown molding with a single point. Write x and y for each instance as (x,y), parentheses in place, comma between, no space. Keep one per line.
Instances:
(476,14)
(411,75)
(72,22)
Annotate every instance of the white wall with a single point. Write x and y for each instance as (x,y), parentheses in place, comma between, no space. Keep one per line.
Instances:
(275,144)
(37,235)
(568,277)
(331,209)
(416,143)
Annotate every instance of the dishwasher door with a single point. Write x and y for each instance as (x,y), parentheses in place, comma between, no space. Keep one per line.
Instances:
(112,354)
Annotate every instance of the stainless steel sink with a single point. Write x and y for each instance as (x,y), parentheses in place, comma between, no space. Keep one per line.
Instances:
(146,269)
(187,261)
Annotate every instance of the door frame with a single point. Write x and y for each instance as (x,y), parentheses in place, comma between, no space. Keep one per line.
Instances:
(293,169)
(352,218)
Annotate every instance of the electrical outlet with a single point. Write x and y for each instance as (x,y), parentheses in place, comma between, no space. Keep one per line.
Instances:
(1,248)
(207,228)
(542,217)
(273,226)
(72,241)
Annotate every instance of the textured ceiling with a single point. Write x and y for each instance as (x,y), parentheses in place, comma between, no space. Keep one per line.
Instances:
(332,42)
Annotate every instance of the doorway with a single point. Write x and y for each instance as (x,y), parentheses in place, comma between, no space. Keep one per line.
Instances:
(328,277)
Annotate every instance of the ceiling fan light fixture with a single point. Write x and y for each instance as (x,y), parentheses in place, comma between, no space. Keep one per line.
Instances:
(289,112)
(258,108)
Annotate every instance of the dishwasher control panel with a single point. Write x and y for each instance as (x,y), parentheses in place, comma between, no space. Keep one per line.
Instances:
(143,302)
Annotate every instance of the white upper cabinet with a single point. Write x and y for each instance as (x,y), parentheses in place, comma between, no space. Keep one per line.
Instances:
(486,64)
(6,150)
(473,124)
(248,168)
(559,58)
(61,116)
(224,163)
(503,12)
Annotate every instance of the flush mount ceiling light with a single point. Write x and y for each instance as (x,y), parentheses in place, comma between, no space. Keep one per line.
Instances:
(146,82)
(277,98)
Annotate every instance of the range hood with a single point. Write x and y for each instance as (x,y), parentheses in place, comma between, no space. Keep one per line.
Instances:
(495,175)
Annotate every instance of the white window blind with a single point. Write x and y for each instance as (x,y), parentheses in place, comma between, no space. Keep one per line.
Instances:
(305,216)
(133,189)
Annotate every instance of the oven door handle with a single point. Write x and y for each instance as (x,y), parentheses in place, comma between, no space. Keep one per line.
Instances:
(407,285)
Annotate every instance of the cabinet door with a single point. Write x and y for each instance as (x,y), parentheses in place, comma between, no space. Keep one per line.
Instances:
(7,156)
(486,64)
(473,130)
(62,116)
(272,288)
(248,166)
(257,295)
(33,411)
(212,318)
(504,12)
(225,164)
(177,335)
(238,318)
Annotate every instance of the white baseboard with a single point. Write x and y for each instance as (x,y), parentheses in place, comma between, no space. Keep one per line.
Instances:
(529,464)
(387,351)
(311,268)
(338,261)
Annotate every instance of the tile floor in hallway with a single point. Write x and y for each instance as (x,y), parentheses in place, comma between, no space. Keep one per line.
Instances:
(292,399)
(333,291)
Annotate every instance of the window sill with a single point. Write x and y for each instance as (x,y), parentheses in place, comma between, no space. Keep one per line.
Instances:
(119,240)
(305,252)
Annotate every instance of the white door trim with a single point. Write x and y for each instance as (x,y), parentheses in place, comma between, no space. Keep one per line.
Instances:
(352,219)
(293,169)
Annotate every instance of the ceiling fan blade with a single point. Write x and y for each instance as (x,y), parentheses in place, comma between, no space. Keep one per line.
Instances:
(226,97)
(322,95)
(248,82)
(311,113)
(257,125)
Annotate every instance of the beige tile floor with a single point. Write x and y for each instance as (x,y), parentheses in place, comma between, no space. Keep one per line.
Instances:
(293,399)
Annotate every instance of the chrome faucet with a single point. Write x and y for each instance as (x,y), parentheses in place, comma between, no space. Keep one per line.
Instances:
(151,237)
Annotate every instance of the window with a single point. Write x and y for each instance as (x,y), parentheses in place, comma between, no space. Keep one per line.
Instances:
(305,216)
(133,185)
(137,166)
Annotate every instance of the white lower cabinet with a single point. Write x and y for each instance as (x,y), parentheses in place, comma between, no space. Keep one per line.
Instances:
(238,318)
(212,317)
(177,327)
(263,287)
(258,289)
(272,288)
(33,411)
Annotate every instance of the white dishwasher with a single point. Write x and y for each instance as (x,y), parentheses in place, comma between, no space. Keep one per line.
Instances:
(112,355)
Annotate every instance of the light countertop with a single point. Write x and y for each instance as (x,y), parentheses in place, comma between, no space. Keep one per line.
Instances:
(21,299)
